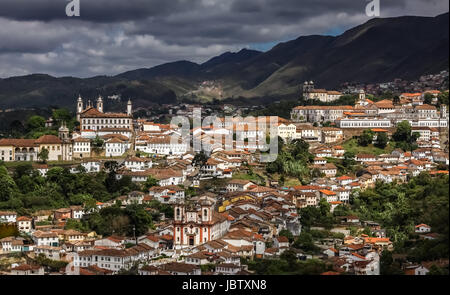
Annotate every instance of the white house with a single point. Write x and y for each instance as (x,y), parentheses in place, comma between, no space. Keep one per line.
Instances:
(91,165)
(165,145)
(281,242)
(167,194)
(422,228)
(81,147)
(8,216)
(24,224)
(238,185)
(137,164)
(227,269)
(11,244)
(41,238)
(26,270)
(116,147)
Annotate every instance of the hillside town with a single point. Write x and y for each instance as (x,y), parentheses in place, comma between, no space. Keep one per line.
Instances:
(220,210)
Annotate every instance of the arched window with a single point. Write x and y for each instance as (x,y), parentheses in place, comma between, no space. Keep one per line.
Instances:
(178,212)
(205,212)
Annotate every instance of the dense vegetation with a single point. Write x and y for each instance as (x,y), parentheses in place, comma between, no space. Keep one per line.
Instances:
(288,264)
(26,190)
(33,126)
(293,160)
(281,109)
(398,208)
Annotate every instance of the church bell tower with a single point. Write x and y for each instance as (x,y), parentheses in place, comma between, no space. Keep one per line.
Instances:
(129,108)
(79,107)
(100,104)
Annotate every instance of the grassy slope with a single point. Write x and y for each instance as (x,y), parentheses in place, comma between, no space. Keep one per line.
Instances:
(351,145)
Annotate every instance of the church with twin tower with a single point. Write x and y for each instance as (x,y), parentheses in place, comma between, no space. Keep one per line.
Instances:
(96,119)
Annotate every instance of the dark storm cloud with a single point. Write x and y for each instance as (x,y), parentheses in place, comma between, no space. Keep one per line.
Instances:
(112,36)
(94,10)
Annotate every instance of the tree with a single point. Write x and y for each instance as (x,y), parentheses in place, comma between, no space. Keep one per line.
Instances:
(443,98)
(43,155)
(437,271)
(428,98)
(61,115)
(403,132)
(35,122)
(366,137)
(315,173)
(387,265)
(286,233)
(396,100)
(16,128)
(305,242)
(7,184)
(140,219)
(404,138)
(112,166)
(280,143)
(291,257)
(200,159)
(150,182)
(349,159)
(97,143)
(382,140)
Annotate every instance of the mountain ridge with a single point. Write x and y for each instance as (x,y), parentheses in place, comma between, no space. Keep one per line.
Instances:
(379,50)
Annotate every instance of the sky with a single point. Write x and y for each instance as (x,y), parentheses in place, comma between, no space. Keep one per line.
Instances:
(113,36)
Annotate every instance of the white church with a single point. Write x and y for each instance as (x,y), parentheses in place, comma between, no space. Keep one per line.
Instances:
(95,120)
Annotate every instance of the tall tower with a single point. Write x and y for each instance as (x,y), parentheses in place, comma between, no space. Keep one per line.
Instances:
(206,211)
(362,98)
(66,145)
(63,132)
(79,107)
(443,111)
(100,104)
(129,108)
(307,87)
(179,212)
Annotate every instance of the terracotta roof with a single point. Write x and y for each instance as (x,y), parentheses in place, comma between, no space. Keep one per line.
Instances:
(282,239)
(327,192)
(81,139)
(17,142)
(239,181)
(4,213)
(48,139)
(422,225)
(24,218)
(425,107)
(94,113)
(25,267)
(324,108)
(330,273)
(179,267)
(376,240)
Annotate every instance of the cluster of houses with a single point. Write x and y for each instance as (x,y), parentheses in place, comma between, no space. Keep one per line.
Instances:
(238,219)
(381,114)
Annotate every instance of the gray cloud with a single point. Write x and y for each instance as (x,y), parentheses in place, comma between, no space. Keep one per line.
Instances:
(112,36)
